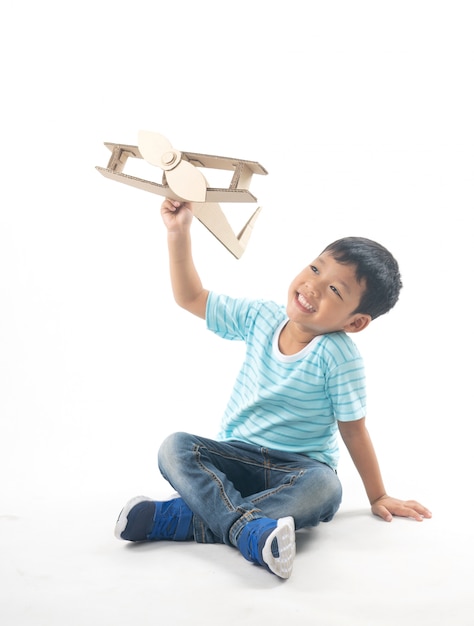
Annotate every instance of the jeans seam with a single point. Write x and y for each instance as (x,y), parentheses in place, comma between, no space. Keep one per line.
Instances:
(218,482)
(262,464)
(245,516)
(280,488)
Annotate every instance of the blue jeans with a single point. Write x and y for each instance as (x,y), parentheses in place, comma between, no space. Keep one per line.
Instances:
(227,484)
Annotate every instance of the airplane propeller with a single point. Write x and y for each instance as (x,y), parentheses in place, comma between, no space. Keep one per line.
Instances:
(185,180)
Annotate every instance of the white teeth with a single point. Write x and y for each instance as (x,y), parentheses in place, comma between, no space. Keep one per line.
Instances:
(302,300)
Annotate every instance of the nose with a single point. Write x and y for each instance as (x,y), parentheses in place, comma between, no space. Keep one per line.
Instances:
(313,288)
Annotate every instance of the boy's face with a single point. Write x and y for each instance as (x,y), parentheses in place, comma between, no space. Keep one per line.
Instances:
(323,296)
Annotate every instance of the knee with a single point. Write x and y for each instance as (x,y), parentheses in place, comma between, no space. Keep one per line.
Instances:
(170,451)
(323,498)
(334,498)
(331,496)
(331,487)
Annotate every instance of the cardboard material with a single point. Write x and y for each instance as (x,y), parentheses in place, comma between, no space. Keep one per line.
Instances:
(208,212)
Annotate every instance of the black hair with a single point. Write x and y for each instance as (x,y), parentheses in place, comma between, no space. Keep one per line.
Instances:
(374,265)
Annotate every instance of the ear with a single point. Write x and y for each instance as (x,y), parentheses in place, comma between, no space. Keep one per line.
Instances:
(358,323)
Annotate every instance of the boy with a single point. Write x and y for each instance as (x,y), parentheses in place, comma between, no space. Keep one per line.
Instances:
(273,468)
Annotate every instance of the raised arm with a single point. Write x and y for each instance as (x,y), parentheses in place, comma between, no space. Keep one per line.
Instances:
(185,281)
(357,440)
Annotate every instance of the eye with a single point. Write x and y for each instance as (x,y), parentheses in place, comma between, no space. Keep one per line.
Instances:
(335,290)
(314,269)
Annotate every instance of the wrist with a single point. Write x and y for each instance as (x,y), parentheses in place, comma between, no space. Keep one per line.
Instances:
(377,499)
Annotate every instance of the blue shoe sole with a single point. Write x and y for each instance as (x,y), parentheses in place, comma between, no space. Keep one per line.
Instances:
(280,561)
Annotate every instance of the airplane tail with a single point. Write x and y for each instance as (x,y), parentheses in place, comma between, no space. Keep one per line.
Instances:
(212,217)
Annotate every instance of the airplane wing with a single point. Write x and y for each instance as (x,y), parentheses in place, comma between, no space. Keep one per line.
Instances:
(209,213)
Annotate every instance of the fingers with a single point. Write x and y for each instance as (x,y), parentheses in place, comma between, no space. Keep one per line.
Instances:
(383,512)
(410,508)
(174,205)
(410,512)
(419,509)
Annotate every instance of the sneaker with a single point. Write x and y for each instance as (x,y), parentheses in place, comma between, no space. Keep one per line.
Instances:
(144,519)
(270,543)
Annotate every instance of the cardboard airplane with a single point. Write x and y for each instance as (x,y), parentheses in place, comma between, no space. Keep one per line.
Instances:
(183,180)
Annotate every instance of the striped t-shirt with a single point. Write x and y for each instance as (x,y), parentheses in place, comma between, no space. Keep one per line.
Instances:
(287,402)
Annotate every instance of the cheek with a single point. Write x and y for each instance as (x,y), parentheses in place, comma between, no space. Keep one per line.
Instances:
(290,298)
(297,281)
(292,289)
(290,302)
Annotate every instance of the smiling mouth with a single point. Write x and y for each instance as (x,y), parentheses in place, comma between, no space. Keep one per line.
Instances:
(305,304)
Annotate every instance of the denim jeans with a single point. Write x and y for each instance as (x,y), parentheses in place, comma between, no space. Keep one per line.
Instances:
(227,484)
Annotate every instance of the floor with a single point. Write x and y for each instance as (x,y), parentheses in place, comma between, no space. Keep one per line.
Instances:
(362,115)
(61,564)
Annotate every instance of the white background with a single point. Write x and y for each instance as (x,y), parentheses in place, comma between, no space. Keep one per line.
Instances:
(362,113)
